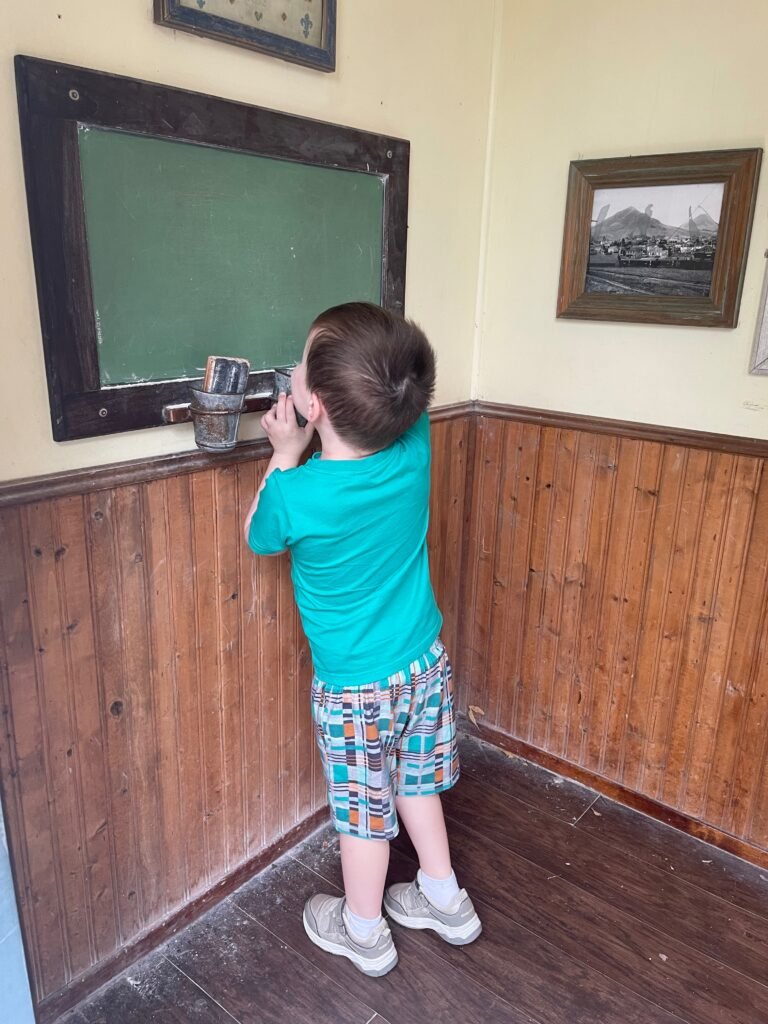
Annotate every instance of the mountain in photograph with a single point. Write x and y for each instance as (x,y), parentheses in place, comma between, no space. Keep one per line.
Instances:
(632,223)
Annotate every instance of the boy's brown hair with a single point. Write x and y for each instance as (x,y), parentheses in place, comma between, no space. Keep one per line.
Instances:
(373,371)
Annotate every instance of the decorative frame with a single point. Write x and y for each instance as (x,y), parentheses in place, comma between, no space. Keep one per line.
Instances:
(736,170)
(193,17)
(54,100)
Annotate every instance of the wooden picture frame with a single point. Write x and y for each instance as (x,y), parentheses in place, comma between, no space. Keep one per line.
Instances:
(242,22)
(639,267)
(55,102)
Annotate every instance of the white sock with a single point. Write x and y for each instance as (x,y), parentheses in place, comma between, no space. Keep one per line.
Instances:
(361,927)
(440,891)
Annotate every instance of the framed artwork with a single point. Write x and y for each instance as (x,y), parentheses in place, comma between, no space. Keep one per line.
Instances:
(301,31)
(759,360)
(658,239)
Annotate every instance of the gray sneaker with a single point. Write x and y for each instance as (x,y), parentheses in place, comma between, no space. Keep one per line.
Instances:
(407,904)
(324,924)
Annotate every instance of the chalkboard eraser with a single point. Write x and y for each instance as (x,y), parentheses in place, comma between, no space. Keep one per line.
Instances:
(226,375)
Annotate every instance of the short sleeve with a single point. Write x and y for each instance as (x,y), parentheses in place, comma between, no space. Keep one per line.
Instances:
(269,532)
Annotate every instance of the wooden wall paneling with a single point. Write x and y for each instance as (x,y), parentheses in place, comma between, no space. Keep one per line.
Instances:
(228,541)
(187,726)
(137,646)
(697,611)
(602,473)
(560,485)
(719,697)
(515,624)
(85,754)
(25,772)
(738,790)
(54,671)
(608,623)
(207,645)
(530,715)
(630,602)
(642,745)
(251,611)
(266,613)
(563,707)
(446,532)
(478,568)
(162,601)
(101,511)
(651,712)
(505,583)
(286,686)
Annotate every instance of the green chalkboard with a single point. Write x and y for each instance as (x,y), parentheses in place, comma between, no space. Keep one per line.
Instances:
(195,250)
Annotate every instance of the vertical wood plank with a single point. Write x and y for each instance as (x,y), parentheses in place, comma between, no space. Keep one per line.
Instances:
(85,756)
(541,481)
(207,646)
(561,486)
(228,606)
(574,583)
(251,668)
(631,607)
(167,695)
(24,777)
(719,700)
(594,571)
(189,699)
(107,602)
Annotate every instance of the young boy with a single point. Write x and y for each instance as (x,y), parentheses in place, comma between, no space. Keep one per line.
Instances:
(355,521)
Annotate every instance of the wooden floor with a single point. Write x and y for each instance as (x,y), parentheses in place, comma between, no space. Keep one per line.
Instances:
(592,914)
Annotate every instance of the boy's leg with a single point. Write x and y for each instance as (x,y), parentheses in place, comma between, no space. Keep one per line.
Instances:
(428,764)
(425,824)
(364,863)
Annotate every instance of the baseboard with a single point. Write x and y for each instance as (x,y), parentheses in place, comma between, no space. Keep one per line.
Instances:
(621,794)
(53,1006)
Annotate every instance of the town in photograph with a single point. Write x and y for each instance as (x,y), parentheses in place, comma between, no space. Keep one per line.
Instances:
(654,240)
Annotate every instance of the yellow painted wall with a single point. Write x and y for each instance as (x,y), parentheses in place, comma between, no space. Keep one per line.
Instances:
(588,80)
(569,81)
(404,68)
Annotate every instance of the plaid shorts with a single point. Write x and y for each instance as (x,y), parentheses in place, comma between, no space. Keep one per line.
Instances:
(393,737)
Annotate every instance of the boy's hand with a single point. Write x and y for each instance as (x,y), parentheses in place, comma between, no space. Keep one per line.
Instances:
(287,438)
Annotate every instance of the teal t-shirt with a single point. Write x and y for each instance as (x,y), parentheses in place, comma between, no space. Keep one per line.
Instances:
(357,533)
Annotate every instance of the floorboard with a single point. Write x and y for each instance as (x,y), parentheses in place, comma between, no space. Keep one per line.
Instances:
(662,900)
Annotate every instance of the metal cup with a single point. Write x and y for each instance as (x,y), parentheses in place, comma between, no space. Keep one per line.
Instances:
(216,418)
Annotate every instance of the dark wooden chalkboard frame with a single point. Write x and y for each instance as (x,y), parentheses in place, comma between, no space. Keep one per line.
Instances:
(54,99)
(202,23)
(738,169)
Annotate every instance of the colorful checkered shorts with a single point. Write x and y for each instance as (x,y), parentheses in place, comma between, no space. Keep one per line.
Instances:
(393,737)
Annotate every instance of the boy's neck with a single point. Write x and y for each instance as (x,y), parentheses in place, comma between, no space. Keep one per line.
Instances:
(335,448)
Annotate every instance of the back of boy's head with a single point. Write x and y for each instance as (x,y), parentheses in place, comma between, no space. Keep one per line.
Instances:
(373,371)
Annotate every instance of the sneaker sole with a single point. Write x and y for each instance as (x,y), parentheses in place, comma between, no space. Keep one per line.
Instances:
(374,968)
(456,935)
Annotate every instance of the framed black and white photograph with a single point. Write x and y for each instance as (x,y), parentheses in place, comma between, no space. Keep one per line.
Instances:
(658,239)
(301,31)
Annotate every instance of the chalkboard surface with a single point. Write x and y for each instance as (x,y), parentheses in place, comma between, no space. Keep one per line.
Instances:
(195,251)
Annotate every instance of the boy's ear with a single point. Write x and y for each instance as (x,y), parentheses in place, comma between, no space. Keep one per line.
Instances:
(315,409)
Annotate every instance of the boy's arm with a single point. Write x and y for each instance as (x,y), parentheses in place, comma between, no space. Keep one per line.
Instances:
(276,462)
(288,440)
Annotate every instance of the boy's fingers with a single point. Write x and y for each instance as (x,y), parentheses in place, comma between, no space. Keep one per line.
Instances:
(280,411)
